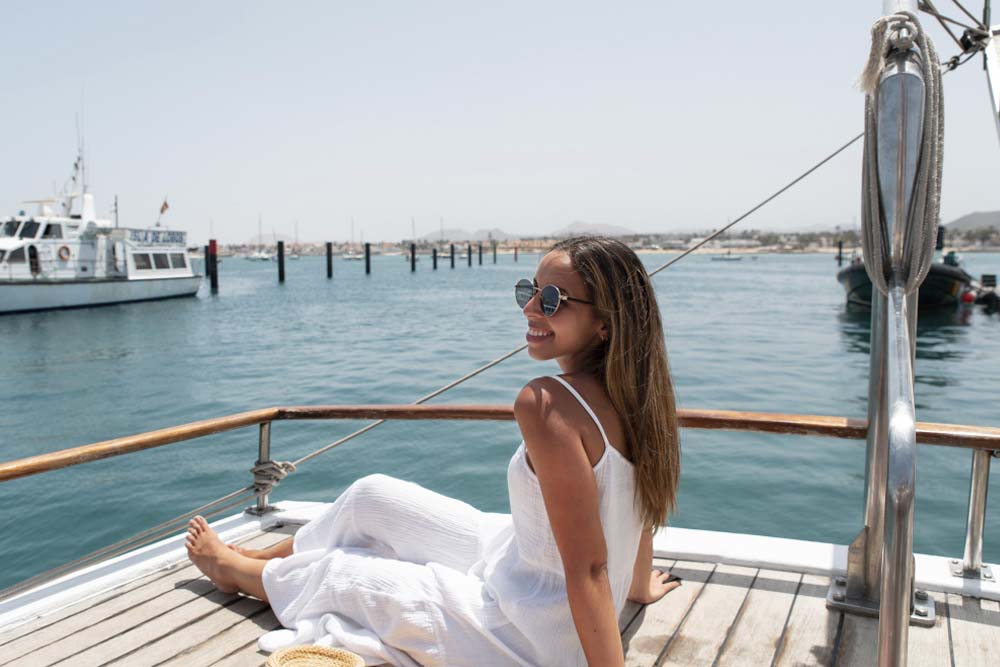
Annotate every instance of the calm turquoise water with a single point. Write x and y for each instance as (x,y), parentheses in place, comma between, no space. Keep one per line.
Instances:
(769,334)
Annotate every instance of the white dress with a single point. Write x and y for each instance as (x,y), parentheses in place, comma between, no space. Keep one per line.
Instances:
(400,574)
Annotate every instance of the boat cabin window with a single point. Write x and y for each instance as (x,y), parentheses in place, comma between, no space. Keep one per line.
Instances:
(9,228)
(52,231)
(142,261)
(161,261)
(177,260)
(16,256)
(29,230)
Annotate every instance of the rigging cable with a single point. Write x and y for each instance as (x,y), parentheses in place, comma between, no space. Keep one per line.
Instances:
(269,473)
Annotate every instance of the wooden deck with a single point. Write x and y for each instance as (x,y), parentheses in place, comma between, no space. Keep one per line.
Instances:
(721,615)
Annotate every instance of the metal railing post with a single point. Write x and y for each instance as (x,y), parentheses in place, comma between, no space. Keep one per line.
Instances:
(897,552)
(972,561)
(263,454)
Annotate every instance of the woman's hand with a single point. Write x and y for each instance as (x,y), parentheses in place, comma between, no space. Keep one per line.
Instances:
(660,583)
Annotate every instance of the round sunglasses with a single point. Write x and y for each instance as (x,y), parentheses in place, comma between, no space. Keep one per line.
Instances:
(551,296)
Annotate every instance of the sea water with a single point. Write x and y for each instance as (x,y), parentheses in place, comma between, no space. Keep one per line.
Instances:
(767,333)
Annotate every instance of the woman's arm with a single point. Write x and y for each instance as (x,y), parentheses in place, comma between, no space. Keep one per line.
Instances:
(639,590)
(569,491)
(649,585)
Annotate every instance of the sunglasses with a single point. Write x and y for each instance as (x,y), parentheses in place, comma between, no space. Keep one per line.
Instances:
(551,296)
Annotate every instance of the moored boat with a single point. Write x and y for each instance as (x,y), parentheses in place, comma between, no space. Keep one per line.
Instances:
(943,287)
(73,259)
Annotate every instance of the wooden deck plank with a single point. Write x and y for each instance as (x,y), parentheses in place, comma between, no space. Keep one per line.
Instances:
(926,647)
(811,628)
(247,656)
(760,624)
(238,636)
(700,637)
(87,626)
(975,630)
(632,609)
(649,632)
(205,633)
(255,540)
(178,619)
(931,647)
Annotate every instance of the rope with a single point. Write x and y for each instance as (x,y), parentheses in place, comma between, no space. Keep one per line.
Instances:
(884,260)
(135,541)
(758,206)
(267,474)
(420,400)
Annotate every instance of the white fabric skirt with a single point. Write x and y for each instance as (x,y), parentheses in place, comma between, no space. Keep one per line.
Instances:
(385,571)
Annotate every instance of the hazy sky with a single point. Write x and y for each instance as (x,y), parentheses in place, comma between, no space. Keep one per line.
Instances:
(527,116)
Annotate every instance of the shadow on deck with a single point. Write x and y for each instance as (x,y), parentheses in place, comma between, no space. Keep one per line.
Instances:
(721,615)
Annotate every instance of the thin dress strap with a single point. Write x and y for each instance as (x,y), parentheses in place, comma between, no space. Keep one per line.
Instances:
(585,407)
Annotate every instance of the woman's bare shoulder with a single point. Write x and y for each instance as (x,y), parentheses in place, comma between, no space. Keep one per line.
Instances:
(542,397)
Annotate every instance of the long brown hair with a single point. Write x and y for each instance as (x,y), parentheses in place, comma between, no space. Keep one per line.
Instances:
(632,365)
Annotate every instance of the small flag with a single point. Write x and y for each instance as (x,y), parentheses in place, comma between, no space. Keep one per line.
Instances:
(164,207)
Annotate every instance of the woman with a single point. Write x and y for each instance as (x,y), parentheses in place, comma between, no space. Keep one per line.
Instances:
(404,575)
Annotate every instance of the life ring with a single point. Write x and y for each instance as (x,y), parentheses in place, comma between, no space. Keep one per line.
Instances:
(64,253)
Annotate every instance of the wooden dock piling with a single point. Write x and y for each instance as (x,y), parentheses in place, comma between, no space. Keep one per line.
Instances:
(212,264)
(494,252)
(329,259)
(453,255)
(281,261)
(368,258)
(480,254)
(515,252)
(434,258)
(840,253)
(413,257)
(470,254)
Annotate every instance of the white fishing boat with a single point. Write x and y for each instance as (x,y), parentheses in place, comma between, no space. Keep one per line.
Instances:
(746,599)
(70,258)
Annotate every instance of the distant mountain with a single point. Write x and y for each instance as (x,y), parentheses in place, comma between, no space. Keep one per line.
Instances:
(586,228)
(456,234)
(977,220)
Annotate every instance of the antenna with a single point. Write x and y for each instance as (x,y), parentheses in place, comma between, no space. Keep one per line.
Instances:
(116,211)
(80,149)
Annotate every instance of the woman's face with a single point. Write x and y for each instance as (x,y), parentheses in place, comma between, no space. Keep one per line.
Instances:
(574,328)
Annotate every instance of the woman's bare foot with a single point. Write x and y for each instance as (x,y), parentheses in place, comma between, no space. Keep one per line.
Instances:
(282,549)
(210,554)
(249,553)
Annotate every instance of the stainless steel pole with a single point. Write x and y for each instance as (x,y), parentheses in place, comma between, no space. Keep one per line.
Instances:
(263,454)
(876,453)
(980,479)
(897,572)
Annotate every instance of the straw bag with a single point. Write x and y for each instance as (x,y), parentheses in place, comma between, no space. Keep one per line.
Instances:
(314,655)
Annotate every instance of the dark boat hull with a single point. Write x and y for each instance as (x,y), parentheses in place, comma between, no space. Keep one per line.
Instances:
(942,287)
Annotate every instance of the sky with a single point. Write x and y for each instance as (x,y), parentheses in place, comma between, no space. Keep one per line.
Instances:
(525,116)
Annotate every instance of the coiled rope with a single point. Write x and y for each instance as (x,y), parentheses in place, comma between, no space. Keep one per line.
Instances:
(886,261)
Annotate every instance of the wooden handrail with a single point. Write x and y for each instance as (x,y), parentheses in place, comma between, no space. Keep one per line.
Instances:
(951,435)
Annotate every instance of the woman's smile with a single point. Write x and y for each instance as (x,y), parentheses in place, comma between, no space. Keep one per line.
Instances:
(537,335)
